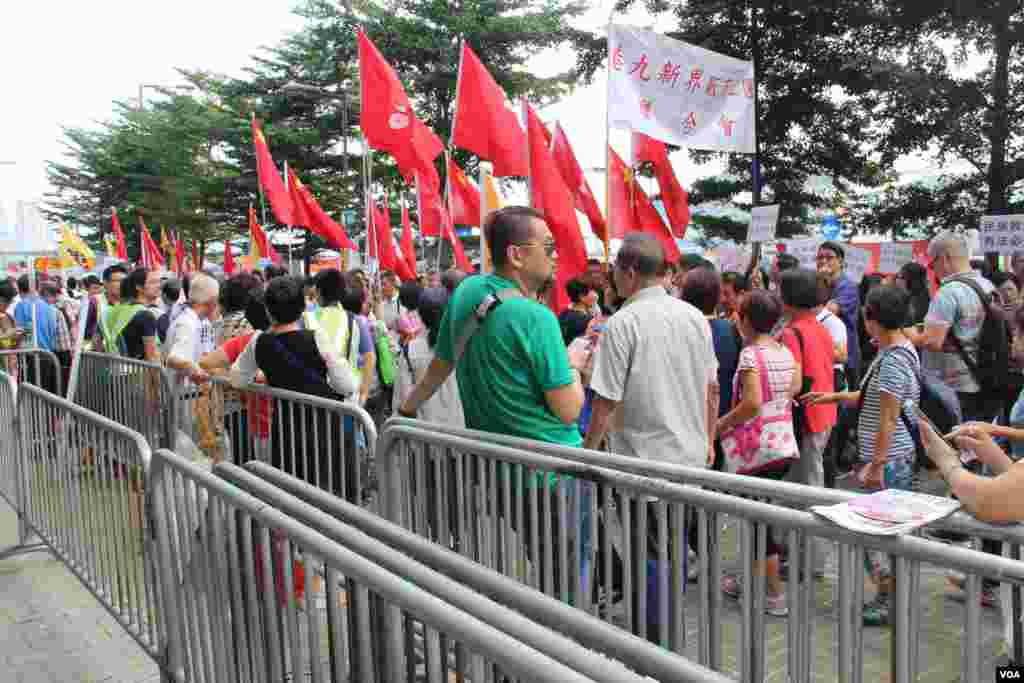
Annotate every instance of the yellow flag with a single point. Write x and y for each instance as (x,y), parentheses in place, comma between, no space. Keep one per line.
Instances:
(492,201)
(71,242)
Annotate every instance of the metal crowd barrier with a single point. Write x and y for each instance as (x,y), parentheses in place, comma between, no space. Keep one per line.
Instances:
(84,482)
(393,547)
(131,392)
(472,495)
(11,481)
(328,443)
(259,596)
(794,495)
(34,366)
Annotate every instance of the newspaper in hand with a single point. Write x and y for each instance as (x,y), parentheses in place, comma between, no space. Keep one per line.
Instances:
(891,512)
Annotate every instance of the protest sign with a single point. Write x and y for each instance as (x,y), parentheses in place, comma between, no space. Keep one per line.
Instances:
(1002,234)
(858,262)
(892,256)
(763,220)
(805,250)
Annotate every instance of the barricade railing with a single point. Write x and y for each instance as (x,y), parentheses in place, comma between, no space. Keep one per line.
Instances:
(11,480)
(34,366)
(84,481)
(328,443)
(134,393)
(509,509)
(393,547)
(794,495)
(234,565)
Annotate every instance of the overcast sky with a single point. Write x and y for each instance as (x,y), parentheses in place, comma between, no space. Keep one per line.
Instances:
(65,62)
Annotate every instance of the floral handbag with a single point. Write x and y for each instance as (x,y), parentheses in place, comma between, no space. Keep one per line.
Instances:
(766,440)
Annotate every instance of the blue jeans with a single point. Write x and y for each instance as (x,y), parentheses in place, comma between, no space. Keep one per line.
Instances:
(898,475)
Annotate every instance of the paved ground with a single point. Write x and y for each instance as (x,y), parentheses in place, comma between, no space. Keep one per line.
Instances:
(52,629)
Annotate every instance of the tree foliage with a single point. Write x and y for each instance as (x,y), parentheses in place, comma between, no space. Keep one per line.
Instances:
(188,161)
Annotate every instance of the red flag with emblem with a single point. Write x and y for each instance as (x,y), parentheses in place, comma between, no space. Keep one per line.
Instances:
(309,214)
(388,120)
(631,209)
(465,197)
(482,124)
(270,179)
(122,247)
(675,199)
(407,246)
(149,253)
(576,181)
(386,250)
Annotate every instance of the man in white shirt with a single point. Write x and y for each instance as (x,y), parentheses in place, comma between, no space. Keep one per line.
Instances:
(389,310)
(184,345)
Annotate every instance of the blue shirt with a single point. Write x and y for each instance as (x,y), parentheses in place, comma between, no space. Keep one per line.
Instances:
(46,321)
(728,344)
(847,297)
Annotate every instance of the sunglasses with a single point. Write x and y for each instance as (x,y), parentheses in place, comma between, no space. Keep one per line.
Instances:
(550,248)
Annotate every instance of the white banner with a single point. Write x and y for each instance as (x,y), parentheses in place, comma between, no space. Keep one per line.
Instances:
(763,220)
(858,262)
(1002,234)
(679,93)
(893,256)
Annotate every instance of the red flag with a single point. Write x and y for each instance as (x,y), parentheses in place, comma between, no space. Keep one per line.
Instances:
(429,208)
(150,252)
(461,260)
(309,214)
(621,214)
(406,245)
(675,199)
(577,183)
(465,198)
(260,241)
(229,259)
(388,120)
(388,254)
(482,123)
(197,263)
(550,195)
(122,247)
(631,209)
(270,179)
(179,256)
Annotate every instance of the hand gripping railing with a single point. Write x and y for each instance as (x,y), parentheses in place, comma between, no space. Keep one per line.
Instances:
(393,547)
(84,482)
(235,616)
(467,502)
(328,443)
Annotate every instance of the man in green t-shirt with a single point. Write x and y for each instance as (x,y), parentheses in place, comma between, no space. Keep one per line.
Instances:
(515,376)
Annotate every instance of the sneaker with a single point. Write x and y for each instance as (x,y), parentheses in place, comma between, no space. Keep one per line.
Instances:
(775,605)
(692,567)
(876,612)
(730,585)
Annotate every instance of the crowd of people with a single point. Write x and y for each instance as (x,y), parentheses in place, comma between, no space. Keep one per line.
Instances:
(784,372)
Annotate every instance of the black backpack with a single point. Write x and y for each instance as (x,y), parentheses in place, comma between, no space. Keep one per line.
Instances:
(990,368)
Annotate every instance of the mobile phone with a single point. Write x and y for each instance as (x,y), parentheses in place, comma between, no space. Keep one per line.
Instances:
(966,456)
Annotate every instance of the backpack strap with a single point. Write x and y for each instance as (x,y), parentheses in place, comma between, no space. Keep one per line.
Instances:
(915,436)
(972,365)
(489,303)
(348,343)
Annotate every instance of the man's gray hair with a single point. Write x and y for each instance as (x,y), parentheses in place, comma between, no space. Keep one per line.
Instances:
(949,243)
(203,289)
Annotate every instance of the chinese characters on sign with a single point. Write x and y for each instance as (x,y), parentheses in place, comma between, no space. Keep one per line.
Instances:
(679,93)
(1002,234)
(805,251)
(893,256)
(858,262)
(763,220)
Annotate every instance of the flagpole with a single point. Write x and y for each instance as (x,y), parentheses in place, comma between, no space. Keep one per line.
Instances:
(289,227)
(529,184)
(458,82)
(607,150)
(259,185)
(755,46)
(484,255)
